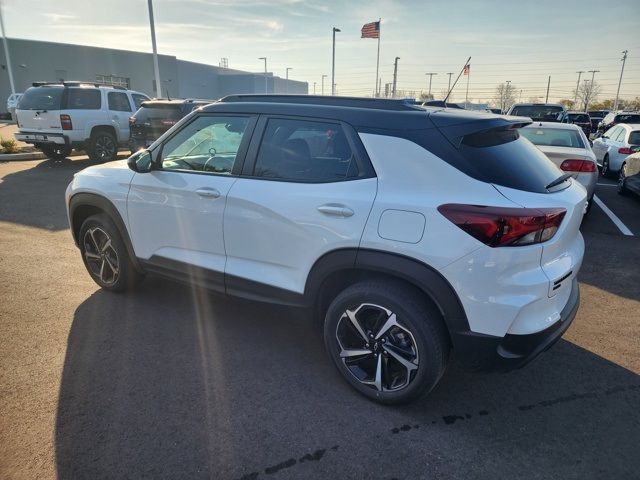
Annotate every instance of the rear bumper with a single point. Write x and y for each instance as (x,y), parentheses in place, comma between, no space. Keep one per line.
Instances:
(42,138)
(477,351)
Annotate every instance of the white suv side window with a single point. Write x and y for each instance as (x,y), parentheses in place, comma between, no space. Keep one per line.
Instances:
(208,144)
(118,101)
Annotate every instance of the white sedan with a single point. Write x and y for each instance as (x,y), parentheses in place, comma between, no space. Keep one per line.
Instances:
(615,145)
(567,146)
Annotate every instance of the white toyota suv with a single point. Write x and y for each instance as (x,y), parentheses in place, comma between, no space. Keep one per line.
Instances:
(58,117)
(411,232)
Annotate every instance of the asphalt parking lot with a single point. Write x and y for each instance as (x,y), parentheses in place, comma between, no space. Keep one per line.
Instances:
(172,382)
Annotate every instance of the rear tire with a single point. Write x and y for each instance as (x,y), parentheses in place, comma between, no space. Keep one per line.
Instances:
(622,181)
(102,146)
(57,152)
(606,171)
(105,256)
(399,349)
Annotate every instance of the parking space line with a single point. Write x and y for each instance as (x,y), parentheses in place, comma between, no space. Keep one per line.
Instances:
(621,226)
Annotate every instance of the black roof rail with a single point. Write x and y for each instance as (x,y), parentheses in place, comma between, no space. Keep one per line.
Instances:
(354,102)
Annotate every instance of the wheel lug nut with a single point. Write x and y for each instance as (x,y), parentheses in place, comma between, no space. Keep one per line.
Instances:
(383,340)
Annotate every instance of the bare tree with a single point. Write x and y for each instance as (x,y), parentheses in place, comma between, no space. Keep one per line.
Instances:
(505,96)
(587,93)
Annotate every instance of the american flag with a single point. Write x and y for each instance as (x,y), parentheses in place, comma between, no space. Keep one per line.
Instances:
(371,30)
(467,69)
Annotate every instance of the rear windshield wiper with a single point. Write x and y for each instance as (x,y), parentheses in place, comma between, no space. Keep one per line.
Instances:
(559,180)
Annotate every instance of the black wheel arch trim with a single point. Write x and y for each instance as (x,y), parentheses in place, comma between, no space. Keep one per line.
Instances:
(424,277)
(101,203)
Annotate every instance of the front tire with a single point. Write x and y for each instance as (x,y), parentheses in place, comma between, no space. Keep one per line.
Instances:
(105,255)
(386,341)
(606,169)
(56,152)
(102,147)
(622,181)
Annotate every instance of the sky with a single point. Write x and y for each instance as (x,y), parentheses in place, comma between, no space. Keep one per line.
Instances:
(523,41)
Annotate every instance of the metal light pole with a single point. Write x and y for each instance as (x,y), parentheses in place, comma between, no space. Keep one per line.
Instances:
(503,107)
(548,85)
(314,88)
(624,60)
(323,77)
(449,87)
(395,77)
(286,86)
(266,89)
(593,74)
(575,99)
(156,70)
(6,53)
(333,63)
(430,77)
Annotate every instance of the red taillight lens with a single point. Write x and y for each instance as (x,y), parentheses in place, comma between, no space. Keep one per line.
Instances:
(505,227)
(572,165)
(65,122)
(625,151)
(132,121)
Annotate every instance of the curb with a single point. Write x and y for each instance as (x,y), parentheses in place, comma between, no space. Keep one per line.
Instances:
(14,157)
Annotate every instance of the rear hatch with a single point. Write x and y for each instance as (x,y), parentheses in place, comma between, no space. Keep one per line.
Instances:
(153,119)
(39,109)
(522,173)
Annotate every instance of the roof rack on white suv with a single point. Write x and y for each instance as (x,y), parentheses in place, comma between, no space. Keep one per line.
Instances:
(408,231)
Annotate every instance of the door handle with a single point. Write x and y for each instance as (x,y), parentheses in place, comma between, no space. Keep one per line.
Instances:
(336,210)
(208,192)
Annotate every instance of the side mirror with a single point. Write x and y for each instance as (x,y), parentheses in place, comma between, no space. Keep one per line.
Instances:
(141,161)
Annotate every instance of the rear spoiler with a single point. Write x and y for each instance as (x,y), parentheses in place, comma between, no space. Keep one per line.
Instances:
(456,127)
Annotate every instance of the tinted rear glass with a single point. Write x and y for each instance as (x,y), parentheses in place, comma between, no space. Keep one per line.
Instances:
(556,137)
(505,158)
(579,117)
(83,99)
(628,118)
(41,98)
(538,112)
(164,112)
(634,137)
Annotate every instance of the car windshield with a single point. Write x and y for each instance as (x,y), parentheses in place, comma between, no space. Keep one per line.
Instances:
(41,98)
(556,137)
(634,137)
(538,112)
(579,117)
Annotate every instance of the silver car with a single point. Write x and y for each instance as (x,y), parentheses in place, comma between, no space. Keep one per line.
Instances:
(567,146)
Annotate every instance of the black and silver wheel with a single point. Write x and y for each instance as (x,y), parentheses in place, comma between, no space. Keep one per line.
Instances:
(103,147)
(387,342)
(57,152)
(105,255)
(622,180)
(606,172)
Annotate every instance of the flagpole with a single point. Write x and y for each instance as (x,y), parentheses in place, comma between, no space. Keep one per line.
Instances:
(466,98)
(378,60)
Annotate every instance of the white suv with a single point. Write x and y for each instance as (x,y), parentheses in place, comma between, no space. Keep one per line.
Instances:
(56,118)
(409,231)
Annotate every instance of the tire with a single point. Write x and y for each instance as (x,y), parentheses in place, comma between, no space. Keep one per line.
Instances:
(418,329)
(57,152)
(105,255)
(622,181)
(102,146)
(606,172)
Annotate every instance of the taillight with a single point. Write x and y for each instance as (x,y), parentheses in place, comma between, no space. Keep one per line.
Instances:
(625,151)
(503,226)
(572,165)
(65,122)
(132,121)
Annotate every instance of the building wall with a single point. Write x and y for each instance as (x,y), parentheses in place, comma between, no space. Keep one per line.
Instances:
(49,61)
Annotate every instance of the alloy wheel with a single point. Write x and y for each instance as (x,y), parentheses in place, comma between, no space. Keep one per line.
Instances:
(377,350)
(605,167)
(101,257)
(621,179)
(105,147)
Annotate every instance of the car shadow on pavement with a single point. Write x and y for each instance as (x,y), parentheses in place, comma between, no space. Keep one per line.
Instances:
(174,382)
(35,196)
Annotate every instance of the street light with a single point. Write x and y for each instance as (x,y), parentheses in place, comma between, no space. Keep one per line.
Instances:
(266,90)
(286,85)
(333,63)
(323,77)
(314,88)
(156,70)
